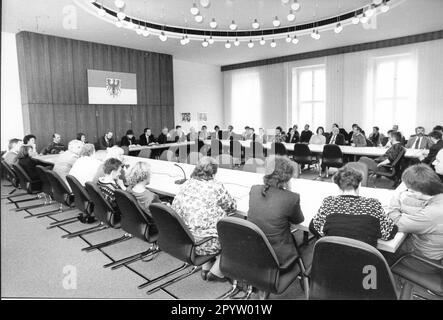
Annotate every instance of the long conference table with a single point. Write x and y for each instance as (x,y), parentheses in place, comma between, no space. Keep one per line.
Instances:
(160,146)
(238,183)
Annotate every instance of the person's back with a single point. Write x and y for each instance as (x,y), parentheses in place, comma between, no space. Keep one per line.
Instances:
(28,164)
(144,198)
(273,214)
(10,157)
(64,163)
(86,169)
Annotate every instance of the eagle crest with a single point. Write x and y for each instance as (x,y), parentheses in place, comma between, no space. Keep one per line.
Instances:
(113,87)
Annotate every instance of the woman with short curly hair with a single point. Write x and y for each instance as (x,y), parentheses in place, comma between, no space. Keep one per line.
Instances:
(273,207)
(202,202)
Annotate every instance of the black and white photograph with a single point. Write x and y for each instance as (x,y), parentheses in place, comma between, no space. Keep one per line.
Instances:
(222,157)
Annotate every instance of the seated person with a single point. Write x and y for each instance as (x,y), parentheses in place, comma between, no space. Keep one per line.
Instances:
(164,136)
(279,136)
(230,134)
(81,137)
(55,146)
(402,138)
(246,133)
(27,163)
(293,136)
(306,134)
(417,208)
(217,133)
(87,167)
(358,139)
(30,140)
(351,133)
(204,134)
(138,178)
(147,138)
(319,137)
(273,207)
(106,141)
(261,137)
(349,215)
(65,161)
(336,137)
(376,137)
(128,139)
(419,140)
(192,135)
(114,152)
(10,157)
(437,145)
(438,164)
(202,202)
(179,135)
(111,181)
(390,155)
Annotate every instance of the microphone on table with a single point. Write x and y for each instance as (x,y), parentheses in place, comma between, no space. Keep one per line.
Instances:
(181,181)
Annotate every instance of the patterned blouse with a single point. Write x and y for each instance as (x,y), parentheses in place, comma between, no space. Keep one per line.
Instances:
(348,216)
(202,204)
(108,191)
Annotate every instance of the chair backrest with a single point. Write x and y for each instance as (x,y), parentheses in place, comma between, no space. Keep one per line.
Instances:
(194,157)
(224,161)
(396,163)
(332,151)
(168,155)
(235,149)
(344,268)
(125,150)
(256,165)
(216,148)
(246,254)
(257,150)
(174,236)
(301,150)
(133,219)
(82,199)
(103,211)
(23,177)
(279,149)
(145,153)
(10,174)
(60,190)
(46,185)
(363,168)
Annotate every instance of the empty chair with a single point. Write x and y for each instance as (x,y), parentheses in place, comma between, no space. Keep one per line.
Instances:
(194,157)
(145,153)
(303,155)
(82,199)
(344,268)
(12,177)
(175,239)
(279,149)
(332,157)
(241,241)
(363,168)
(224,161)
(26,184)
(254,165)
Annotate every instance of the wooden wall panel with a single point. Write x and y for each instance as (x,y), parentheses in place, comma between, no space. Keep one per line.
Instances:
(140,119)
(82,58)
(23,57)
(166,80)
(167,117)
(42,123)
(101,57)
(122,121)
(87,122)
(61,65)
(152,73)
(65,121)
(105,119)
(137,66)
(155,119)
(119,59)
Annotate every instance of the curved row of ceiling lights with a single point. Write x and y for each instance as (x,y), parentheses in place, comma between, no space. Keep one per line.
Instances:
(235,36)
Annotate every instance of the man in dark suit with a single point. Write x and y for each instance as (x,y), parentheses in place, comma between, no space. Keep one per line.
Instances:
(147,138)
(294,136)
(419,140)
(436,139)
(164,136)
(128,139)
(106,141)
(306,135)
(336,137)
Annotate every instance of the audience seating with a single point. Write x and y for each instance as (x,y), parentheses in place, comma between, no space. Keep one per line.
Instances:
(46,185)
(12,177)
(241,241)
(26,184)
(392,171)
(176,240)
(303,156)
(332,157)
(82,199)
(348,269)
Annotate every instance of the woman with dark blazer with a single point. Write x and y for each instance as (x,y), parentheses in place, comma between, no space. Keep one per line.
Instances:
(128,139)
(272,207)
(27,163)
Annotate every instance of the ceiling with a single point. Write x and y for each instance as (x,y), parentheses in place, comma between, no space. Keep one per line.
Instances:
(406,17)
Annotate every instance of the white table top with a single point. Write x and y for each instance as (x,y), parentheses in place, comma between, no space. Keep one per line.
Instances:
(161,146)
(318,148)
(239,183)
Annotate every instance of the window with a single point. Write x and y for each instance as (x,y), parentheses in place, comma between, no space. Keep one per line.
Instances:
(309,95)
(393,93)
(246,100)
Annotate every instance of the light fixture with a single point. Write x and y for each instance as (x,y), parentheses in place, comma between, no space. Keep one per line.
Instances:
(205,43)
(130,24)
(145,32)
(101,12)
(198,18)
(211,40)
(138,30)
(291,15)
(213,23)
(355,19)
(377,2)
(317,35)
(236,42)
(313,34)
(119,3)
(338,28)
(233,26)
(276,22)
(384,7)
(295,39)
(288,38)
(121,15)
(119,24)
(163,37)
(273,43)
(370,12)
(250,44)
(205,3)
(295,5)
(227,44)
(364,18)
(183,41)
(285,1)
(194,10)
(255,24)
(262,41)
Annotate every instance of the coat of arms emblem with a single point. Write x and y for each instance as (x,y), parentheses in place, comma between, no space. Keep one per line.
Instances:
(113,87)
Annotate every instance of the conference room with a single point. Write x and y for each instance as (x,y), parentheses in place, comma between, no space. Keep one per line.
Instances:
(222,150)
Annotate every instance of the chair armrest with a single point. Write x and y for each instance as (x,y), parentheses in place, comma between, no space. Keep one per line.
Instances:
(422,259)
(204,240)
(289,262)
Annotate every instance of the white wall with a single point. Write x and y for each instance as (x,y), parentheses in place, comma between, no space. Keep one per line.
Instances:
(198,88)
(11,107)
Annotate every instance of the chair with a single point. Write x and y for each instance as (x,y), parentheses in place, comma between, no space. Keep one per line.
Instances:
(12,177)
(258,151)
(248,256)
(254,165)
(216,148)
(145,153)
(30,186)
(82,199)
(175,239)
(46,186)
(363,168)
(348,269)
(303,155)
(136,223)
(392,171)
(433,282)
(332,157)
(224,161)
(236,150)
(182,154)
(194,157)
(279,149)
(168,155)
(125,150)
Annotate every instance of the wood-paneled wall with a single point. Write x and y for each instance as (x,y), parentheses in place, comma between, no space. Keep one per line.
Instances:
(54,88)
